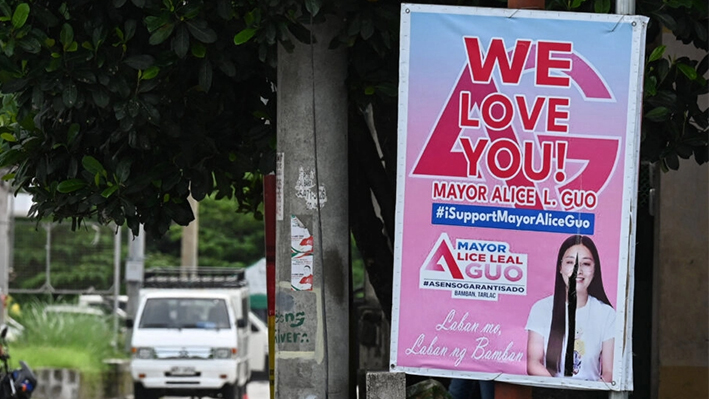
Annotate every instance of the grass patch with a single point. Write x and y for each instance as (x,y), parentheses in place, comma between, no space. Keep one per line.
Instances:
(40,357)
(64,340)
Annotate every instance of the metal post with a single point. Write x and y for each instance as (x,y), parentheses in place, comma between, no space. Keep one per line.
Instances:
(189,257)
(48,257)
(116,282)
(625,7)
(134,275)
(312,226)
(5,247)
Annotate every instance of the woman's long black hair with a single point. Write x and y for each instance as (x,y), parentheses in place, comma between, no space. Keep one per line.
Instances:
(558,318)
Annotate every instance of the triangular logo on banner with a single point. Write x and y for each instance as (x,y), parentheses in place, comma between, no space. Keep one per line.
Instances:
(441,259)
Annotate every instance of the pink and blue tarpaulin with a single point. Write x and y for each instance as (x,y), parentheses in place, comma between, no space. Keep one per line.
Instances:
(518,129)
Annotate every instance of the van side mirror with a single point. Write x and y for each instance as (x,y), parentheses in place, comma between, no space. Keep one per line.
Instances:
(129,323)
(241,323)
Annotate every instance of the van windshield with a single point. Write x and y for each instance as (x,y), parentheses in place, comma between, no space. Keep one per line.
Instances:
(208,313)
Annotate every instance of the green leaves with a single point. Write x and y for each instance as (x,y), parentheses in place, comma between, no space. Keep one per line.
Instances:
(66,36)
(95,169)
(150,73)
(313,6)
(92,165)
(205,75)
(199,50)
(688,71)
(657,53)
(70,95)
(8,137)
(674,126)
(678,3)
(252,19)
(160,26)
(100,97)
(109,191)
(225,9)
(244,36)
(658,114)
(9,158)
(123,170)
(201,31)
(70,186)
(72,132)
(19,17)
(150,90)
(13,85)
(181,42)
(602,6)
(153,23)
(161,34)
(130,26)
(140,61)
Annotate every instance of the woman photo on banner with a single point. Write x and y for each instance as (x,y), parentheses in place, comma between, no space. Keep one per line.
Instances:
(594,332)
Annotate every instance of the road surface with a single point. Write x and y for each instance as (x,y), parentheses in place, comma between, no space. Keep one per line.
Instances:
(258,390)
(254,390)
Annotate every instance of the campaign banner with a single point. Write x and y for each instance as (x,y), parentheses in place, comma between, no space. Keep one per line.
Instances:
(517,177)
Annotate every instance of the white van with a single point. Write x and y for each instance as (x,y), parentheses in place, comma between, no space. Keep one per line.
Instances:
(190,336)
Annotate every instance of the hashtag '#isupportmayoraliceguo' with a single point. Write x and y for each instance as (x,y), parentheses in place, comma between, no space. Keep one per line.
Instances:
(439,212)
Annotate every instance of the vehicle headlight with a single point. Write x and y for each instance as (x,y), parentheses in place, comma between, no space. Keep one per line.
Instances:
(143,353)
(223,353)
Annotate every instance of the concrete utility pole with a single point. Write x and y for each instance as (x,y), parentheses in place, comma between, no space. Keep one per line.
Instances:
(135,265)
(5,245)
(312,226)
(116,282)
(190,240)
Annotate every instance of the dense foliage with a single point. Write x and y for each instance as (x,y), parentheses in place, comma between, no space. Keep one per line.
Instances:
(125,107)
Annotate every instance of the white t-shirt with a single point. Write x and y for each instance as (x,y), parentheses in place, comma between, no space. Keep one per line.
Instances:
(595,323)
